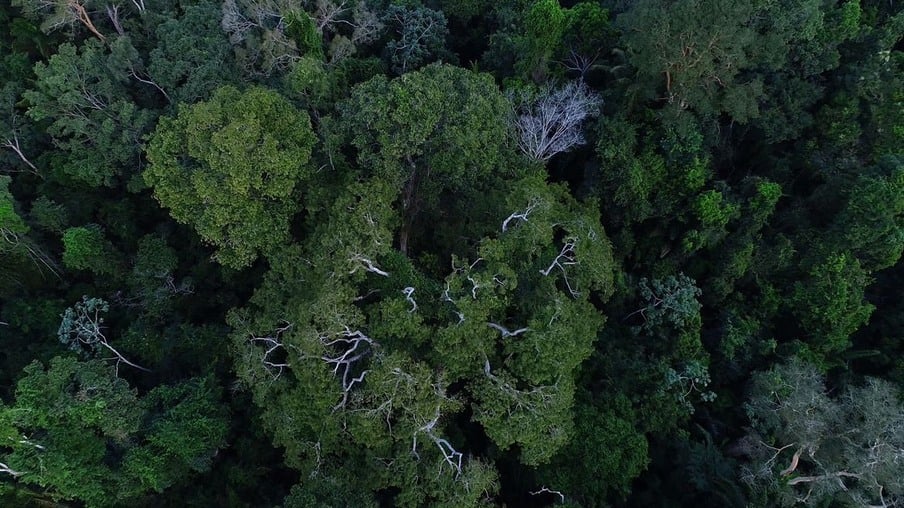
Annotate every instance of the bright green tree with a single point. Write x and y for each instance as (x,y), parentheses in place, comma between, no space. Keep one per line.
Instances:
(831,306)
(81,434)
(232,168)
(85,248)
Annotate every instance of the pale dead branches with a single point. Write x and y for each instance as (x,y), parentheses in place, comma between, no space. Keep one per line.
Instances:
(344,351)
(565,258)
(272,346)
(550,122)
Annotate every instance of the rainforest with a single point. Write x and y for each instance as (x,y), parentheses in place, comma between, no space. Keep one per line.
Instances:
(451,253)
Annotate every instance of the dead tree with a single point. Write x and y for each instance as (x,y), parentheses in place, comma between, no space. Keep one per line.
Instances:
(60,13)
(550,123)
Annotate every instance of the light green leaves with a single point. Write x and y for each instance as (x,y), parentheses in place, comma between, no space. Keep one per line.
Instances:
(231,167)
(83,434)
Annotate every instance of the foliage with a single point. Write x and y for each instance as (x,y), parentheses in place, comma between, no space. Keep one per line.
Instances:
(420,36)
(451,253)
(78,431)
(84,248)
(81,92)
(845,448)
(231,168)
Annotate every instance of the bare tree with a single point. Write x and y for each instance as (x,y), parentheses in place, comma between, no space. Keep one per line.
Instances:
(12,143)
(550,122)
(260,25)
(579,62)
(330,13)
(11,126)
(807,447)
(368,25)
(33,252)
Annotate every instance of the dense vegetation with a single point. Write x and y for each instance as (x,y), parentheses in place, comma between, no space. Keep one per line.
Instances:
(451,253)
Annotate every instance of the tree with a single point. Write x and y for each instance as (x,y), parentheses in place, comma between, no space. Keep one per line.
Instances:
(82,327)
(807,447)
(56,14)
(431,132)
(232,167)
(672,301)
(11,223)
(550,122)
(605,455)
(830,305)
(872,221)
(375,345)
(85,248)
(192,57)
(81,433)
(82,92)
(587,33)
(334,19)
(14,133)
(544,24)
(692,48)
(15,244)
(258,32)
(421,34)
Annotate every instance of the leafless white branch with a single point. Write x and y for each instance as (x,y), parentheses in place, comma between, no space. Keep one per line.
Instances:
(113,14)
(545,490)
(521,216)
(580,63)
(6,469)
(272,345)
(365,263)
(408,291)
(349,347)
(451,456)
(87,330)
(566,257)
(506,332)
(149,81)
(13,144)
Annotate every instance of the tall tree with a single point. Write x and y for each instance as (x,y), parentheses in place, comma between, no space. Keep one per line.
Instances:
(232,167)
(82,93)
(808,447)
(83,434)
(436,131)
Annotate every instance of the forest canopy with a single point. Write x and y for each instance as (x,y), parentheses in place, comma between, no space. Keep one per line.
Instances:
(406,253)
